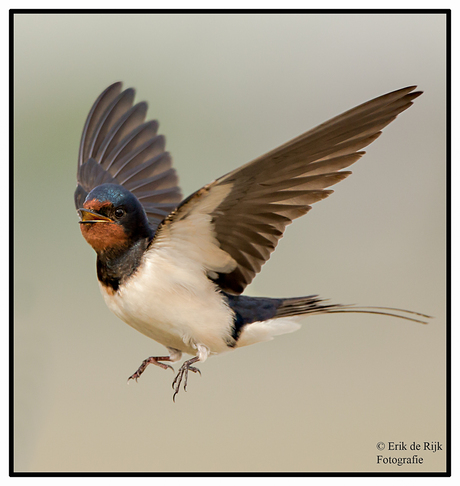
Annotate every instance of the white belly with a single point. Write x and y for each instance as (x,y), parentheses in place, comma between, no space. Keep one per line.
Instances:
(174,303)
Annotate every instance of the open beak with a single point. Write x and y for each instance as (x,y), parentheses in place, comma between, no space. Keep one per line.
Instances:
(89,216)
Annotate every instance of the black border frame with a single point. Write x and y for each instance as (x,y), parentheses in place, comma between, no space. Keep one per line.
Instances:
(447,13)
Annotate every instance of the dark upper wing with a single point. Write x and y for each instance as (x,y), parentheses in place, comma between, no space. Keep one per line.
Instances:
(117,146)
(249,208)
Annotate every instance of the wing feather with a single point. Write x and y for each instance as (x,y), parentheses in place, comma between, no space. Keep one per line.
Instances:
(119,147)
(248,209)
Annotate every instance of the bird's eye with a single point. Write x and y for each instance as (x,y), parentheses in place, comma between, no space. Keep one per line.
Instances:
(119,213)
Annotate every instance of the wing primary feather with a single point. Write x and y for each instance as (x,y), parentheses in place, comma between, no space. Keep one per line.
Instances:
(118,107)
(149,167)
(121,152)
(281,185)
(125,124)
(99,106)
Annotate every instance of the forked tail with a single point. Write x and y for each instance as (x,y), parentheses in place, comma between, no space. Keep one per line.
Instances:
(259,319)
(312,304)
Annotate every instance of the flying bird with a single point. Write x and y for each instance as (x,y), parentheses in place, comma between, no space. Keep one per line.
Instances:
(175,269)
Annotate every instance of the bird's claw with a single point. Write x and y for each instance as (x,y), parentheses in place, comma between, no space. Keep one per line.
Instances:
(152,360)
(183,375)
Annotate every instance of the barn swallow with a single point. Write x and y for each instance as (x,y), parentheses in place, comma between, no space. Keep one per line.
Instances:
(175,269)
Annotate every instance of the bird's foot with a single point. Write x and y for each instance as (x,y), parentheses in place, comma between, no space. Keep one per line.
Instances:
(183,374)
(152,360)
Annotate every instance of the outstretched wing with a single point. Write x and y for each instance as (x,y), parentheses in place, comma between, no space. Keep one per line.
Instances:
(245,212)
(118,147)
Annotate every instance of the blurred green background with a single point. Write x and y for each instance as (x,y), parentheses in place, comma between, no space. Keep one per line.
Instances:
(227,88)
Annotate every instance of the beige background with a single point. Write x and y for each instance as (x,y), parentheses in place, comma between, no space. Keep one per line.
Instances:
(225,90)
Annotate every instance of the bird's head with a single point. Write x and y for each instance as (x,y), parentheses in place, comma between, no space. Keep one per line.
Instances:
(112,219)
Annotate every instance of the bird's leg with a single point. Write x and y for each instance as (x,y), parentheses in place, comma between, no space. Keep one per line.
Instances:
(183,373)
(152,360)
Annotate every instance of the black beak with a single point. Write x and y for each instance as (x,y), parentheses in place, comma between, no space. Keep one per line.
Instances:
(89,216)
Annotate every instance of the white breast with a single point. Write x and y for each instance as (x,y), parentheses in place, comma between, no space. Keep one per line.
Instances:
(170,300)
